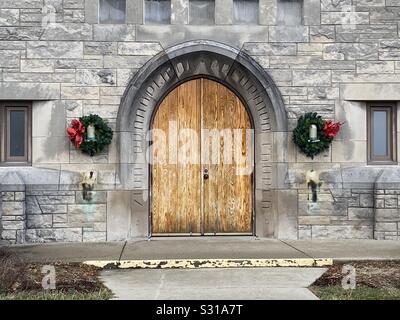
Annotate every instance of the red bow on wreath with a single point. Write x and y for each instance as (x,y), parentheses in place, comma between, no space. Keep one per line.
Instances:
(331,128)
(75,132)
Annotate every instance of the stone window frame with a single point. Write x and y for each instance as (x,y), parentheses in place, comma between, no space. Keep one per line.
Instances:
(5,159)
(391,158)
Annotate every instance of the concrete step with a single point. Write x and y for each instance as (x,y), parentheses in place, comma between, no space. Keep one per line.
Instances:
(209,263)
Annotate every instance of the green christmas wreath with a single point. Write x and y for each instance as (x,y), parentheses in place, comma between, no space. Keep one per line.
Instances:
(326,132)
(78,134)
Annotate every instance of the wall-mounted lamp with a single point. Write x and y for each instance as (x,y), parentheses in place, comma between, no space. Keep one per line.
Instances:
(313,182)
(88,180)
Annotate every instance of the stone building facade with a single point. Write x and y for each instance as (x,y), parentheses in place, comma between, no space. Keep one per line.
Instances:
(336,59)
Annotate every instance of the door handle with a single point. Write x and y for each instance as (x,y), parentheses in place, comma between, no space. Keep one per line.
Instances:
(205,174)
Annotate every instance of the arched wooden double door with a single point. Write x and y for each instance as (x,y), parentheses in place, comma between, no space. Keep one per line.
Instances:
(201,162)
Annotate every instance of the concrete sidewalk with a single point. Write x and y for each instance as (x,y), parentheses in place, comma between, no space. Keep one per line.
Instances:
(210,248)
(207,284)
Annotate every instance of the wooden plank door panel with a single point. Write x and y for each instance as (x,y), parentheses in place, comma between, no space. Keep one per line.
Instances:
(227,197)
(176,183)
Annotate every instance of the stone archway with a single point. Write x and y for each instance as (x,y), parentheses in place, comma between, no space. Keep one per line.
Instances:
(237,71)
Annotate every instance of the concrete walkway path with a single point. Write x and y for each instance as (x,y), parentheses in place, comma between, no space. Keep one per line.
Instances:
(213,284)
(209,248)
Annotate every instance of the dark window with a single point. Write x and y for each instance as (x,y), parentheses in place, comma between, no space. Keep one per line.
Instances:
(112,11)
(290,12)
(15,130)
(245,11)
(157,11)
(201,12)
(381,133)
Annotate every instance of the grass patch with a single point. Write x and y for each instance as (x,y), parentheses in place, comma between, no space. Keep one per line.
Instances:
(378,280)
(23,281)
(57,295)
(360,293)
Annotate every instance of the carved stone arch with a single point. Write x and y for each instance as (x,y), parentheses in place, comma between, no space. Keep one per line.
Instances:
(173,66)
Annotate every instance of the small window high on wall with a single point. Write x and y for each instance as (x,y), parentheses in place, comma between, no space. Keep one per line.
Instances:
(290,12)
(15,133)
(112,11)
(245,11)
(202,12)
(157,11)
(381,133)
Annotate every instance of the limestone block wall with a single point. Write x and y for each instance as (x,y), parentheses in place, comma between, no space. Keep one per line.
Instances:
(387,214)
(56,54)
(13,218)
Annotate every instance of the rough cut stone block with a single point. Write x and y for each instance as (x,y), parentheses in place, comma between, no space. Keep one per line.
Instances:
(342,232)
(311,77)
(387,215)
(391,202)
(9,59)
(385,226)
(74,4)
(13,208)
(361,213)
(8,196)
(68,32)
(50,235)
(119,32)
(322,34)
(124,61)
(139,48)
(270,49)
(56,208)
(366,200)
(94,236)
(9,17)
(9,235)
(39,221)
(100,48)
(375,67)
(96,77)
(21,4)
(13,225)
(345,18)
(78,63)
(81,93)
(37,66)
(20,33)
(83,213)
(350,51)
(60,218)
(55,199)
(314,220)
(288,34)
(54,49)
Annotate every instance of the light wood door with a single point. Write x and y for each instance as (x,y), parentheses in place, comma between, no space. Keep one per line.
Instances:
(201,170)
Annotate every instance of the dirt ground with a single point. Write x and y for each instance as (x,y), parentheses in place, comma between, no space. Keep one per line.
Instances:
(376,274)
(17,276)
